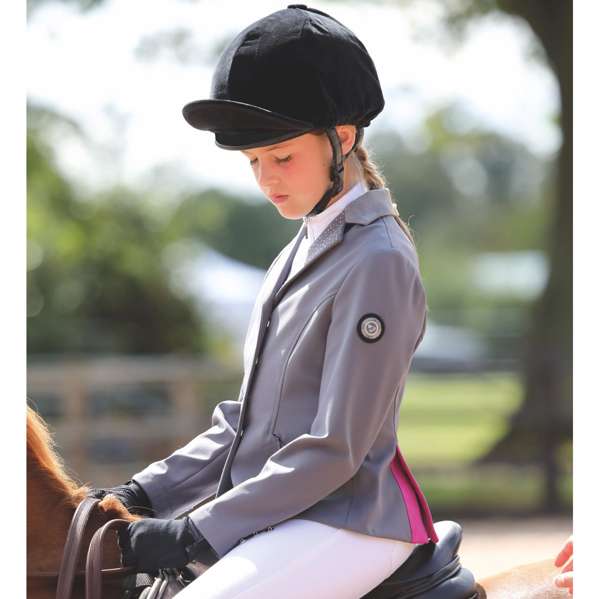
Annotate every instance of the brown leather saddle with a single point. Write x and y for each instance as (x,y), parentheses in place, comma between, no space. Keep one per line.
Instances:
(433,571)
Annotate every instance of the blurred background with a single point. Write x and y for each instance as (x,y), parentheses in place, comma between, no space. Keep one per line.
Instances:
(147,244)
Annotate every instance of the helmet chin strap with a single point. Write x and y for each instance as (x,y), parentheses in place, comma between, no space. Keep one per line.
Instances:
(336,173)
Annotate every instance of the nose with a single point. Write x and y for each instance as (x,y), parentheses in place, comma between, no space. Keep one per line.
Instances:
(266,175)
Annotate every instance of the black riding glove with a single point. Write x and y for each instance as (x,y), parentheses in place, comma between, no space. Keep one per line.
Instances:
(150,544)
(131,495)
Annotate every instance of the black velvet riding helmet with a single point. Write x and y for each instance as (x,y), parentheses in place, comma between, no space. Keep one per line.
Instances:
(291,72)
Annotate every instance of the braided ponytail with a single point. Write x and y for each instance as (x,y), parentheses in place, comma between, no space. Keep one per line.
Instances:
(375,179)
(371,174)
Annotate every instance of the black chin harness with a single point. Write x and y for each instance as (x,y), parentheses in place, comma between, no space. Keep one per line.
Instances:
(337,168)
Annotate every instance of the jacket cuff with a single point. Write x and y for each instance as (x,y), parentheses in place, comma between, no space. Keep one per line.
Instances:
(141,497)
(154,492)
(198,549)
(211,531)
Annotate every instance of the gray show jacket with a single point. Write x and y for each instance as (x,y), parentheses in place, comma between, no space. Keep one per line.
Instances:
(313,433)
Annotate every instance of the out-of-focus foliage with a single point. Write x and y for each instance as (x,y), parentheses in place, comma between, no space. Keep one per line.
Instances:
(253,233)
(547,365)
(460,179)
(464,193)
(96,282)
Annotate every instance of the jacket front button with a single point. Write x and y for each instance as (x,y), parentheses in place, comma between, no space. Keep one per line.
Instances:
(268,323)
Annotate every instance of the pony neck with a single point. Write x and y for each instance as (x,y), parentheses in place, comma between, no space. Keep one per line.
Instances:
(52,497)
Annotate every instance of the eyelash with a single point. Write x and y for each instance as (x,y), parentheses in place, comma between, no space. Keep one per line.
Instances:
(279,161)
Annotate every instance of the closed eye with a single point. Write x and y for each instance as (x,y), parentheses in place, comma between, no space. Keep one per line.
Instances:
(278,160)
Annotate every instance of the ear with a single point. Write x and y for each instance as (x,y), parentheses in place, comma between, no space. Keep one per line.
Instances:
(347,135)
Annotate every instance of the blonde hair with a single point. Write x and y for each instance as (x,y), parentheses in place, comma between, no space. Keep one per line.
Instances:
(374,179)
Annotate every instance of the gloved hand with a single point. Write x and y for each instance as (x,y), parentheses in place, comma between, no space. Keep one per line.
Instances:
(131,495)
(151,543)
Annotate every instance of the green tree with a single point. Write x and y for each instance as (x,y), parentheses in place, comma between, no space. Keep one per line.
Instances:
(96,281)
(544,419)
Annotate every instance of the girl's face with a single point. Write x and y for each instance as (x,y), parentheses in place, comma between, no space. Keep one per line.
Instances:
(294,174)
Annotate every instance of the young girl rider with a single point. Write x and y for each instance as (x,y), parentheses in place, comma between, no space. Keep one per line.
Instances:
(299,488)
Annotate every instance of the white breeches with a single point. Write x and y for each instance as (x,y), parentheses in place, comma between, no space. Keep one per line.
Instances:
(300,559)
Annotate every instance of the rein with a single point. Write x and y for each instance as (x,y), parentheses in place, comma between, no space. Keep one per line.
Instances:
(72,551)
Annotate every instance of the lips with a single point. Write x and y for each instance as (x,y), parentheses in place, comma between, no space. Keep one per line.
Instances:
(278,198)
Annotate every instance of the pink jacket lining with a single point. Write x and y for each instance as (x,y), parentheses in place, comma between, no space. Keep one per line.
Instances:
(419,515)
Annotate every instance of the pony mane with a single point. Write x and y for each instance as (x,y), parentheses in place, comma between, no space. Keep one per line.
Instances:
(42,454)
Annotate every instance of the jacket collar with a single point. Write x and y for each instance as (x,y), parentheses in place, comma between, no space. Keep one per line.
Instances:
(365,209)
(372,205)
(316,223)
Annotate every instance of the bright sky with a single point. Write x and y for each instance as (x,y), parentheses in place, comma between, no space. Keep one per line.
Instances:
(85,67)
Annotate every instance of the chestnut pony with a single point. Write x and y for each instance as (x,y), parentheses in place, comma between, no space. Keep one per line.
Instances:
(52,497)
(528,581)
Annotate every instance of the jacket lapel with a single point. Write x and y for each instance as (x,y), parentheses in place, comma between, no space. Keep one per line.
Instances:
(281,272)
(363,210)
(329,238)
(264,303)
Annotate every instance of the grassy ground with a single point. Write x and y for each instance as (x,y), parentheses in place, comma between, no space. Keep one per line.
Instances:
(446,422)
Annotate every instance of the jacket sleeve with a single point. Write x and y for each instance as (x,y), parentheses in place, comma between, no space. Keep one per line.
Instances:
(177,483)
(191,473)
(358,385)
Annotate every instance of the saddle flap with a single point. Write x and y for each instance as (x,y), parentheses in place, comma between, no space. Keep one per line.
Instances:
(429,558)
(432,571)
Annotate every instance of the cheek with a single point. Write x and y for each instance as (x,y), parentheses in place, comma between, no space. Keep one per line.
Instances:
(307,173)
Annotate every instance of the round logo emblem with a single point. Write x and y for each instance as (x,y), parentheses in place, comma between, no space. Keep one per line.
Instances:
(370,328)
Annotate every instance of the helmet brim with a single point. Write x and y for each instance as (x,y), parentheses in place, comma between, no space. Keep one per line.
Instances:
(238,125)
